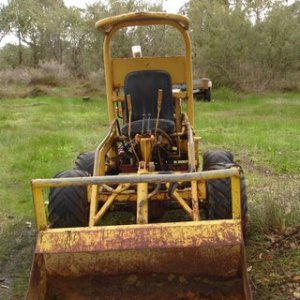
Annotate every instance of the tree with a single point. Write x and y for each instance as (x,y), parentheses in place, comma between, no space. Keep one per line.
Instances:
(4,22)
(38,24)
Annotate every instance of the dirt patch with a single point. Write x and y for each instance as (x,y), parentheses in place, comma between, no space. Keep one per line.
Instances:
(13,92)
(273,264)
(16,249)
(38,91)
(249,165)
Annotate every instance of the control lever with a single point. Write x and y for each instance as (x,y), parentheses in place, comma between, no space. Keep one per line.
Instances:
(159,102)
(148,126)
(143,124)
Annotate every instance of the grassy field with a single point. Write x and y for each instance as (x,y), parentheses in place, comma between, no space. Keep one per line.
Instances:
(42,136)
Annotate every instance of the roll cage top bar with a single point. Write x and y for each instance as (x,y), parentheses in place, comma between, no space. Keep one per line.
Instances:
(141,18)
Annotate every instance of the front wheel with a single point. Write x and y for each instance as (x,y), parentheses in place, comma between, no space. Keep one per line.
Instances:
(219,190)
(68,206)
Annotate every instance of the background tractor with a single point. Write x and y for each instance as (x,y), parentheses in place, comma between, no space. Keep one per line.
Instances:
(202,89)
(148,165)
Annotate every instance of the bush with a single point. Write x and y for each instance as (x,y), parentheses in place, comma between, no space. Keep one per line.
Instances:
(275,207)
(48,74)
(97,79)
(15,76)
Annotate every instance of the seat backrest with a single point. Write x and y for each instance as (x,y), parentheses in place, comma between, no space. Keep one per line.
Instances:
(143,88)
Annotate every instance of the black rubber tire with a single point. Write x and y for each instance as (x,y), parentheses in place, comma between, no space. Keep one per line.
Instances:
(210,158)
(207,95)
(85,162)
(219,190)
(68,206)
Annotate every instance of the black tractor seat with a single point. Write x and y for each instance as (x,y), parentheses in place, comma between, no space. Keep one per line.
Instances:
(143,88)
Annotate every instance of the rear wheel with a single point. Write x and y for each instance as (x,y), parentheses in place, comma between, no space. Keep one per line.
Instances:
(85,162)
(219,190)
(207,95)
(68,206)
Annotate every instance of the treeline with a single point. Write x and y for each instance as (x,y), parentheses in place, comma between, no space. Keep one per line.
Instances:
(242,44)
(247,45)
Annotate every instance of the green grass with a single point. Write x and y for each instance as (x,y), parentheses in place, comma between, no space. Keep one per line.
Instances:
(265,129)
(42,136)
(39,137)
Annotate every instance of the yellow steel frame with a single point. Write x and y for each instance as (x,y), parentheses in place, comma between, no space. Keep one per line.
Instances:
(130,195)
(180,70)
(179,67)
(67,251)
(124,181)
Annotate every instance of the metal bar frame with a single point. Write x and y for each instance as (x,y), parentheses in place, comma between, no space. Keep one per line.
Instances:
(109,202)
(39,184)
(108,66)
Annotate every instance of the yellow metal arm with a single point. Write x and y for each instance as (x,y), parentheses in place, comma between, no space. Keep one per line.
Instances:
(140,18)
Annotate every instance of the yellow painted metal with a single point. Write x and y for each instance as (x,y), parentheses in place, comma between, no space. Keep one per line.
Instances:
(69,257)
(183,203)
(69,240)
(109,202)
(142,200)
(202,189)
(197,158)
(149,178)
(111,27)
(178,116)
(174,65)
(132,196)
(104,148)
(177,94)
(159,102)
(190,146)
(146,149)
(93,204)
(195,203)
(89,193)
(107,24)
(108,77)
(236,196)
(95,181)
(179,195)
(39,209)
(99,168)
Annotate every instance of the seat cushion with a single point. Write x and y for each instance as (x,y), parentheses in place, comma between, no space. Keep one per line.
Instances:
(143,88)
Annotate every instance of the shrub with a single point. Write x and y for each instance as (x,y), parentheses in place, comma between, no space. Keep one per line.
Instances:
(276,207)
(48,74)
(15,76)
(97,79)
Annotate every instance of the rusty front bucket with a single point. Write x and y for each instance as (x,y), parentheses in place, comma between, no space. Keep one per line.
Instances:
(186,260)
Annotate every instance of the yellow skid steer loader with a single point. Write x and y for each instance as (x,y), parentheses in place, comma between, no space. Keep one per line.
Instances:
(184,239)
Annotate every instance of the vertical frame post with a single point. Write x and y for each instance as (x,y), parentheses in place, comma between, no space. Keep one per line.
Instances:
(39,209)
(236,196)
